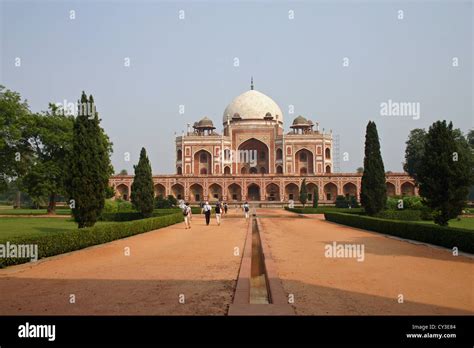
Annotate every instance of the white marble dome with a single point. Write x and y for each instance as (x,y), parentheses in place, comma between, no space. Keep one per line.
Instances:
(252,105)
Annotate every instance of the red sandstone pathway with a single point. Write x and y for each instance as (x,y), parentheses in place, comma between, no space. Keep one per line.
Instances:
(198,263)
(431,280)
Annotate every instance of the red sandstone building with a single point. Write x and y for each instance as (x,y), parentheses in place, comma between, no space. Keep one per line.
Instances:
(253,159)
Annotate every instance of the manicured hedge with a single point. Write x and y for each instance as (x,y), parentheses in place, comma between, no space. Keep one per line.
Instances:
(49,245)
(322,210)
(448,237)
(135,215)
(403,215)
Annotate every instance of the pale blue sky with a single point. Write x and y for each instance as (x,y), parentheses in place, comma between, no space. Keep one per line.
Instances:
(190,62)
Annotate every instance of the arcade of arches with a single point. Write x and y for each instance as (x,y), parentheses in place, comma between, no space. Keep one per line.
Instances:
(270,189)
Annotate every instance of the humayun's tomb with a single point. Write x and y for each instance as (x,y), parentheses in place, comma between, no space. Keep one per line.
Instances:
(254,160)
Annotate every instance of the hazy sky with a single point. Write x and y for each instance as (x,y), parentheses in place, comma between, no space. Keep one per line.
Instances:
(296,61)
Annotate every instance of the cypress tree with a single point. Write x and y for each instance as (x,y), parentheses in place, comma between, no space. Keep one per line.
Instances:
(89,165)
(315,198)
(303,193)
(142,195)
(445,172)
(373,195)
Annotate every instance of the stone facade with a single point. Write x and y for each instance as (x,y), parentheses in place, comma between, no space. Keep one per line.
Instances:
(254,160)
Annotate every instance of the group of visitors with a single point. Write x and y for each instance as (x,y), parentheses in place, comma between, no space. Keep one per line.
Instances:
(221,208)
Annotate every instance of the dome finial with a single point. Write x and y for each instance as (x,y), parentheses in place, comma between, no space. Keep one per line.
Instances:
(251,82)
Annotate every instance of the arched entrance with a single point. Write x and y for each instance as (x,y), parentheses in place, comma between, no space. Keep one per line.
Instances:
(330,192)
(253,154)
(272,192)
(408,189)
(291,192)
(390,189)
(234,193)
(196,193)
(215,192)
(122,191)
(312,190)
(177,190)
(349,189)
(253,192)
(160,191)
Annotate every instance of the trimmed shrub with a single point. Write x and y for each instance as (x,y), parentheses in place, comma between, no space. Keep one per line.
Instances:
(353,202)
(195,210)
(341,202)
(412,202)
(50,245)
(409,202)
(404,215)
(322,210)
(426,214)
(125,206)
(135,215)
(448,237)
(165,202)
(110,206)
(392,203)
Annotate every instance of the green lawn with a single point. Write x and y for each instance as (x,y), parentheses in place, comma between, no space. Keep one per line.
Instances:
(5,210)
(11,227)
(463,223)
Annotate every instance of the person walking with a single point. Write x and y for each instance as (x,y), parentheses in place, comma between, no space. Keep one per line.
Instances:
(187,215)
(246,209)
(206,208)
(218,212)
(225,208)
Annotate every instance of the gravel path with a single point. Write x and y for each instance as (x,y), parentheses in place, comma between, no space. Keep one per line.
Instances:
(431,280)
(198,263)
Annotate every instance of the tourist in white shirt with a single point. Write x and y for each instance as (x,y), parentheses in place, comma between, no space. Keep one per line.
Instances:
(207,212)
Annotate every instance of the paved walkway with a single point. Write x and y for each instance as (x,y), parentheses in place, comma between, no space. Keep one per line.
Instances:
(163,264)
(431,280)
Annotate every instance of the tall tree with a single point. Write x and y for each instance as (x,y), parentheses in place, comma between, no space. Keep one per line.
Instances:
(414,151)
(142,195)
(445,172)
(303,193)
(89,165)
(15,151)
(373,190)
(50,136)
